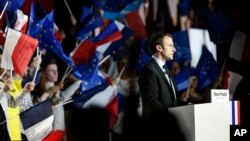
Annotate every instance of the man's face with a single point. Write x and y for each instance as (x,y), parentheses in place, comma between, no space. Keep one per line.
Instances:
(168,48)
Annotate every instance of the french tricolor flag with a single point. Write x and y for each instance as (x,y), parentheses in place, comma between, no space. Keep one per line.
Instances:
(102,96)
(235,112)
(21,22)
(18,50)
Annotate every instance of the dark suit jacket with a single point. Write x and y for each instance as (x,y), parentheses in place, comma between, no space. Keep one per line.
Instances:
(156,92)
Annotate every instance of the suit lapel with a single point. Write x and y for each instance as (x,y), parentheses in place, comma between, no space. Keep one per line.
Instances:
(160,71)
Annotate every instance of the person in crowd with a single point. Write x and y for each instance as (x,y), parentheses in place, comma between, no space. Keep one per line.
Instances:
(126,85)
(7,100)
(29,76)
(49,89)
(49,86)
(157,86)
(194,96)
(175,68)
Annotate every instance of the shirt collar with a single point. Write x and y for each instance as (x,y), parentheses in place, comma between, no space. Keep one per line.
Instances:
(159,62)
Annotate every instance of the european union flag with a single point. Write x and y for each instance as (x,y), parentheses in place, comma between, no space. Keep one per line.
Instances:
(143,57)
(220,25)
(90,20)
(84,86)
(12,4)
(182,78)
(39,21)
(182,54)
(112,5)
(181,39)
(181,43)
(184,7)
(206,69)
(43,30)
(89,72)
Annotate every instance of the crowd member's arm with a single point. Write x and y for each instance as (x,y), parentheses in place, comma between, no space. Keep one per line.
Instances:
(68,92)
(34,65)
(50,92)
(15,101)
(27,88)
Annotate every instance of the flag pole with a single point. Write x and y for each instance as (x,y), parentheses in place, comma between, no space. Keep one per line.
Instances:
(67,5)
(5,6)
(3,73)
(120,74)
(103,60)
(37,68)
(63,103)
(66,73)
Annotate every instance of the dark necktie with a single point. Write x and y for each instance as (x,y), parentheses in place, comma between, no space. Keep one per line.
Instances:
(167,72)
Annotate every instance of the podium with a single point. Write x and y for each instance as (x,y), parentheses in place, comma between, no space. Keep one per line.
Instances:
(205,122)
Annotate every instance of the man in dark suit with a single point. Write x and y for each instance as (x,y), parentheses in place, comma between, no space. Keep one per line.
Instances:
(157,86)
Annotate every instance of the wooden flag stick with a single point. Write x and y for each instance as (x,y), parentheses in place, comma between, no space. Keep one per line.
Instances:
(3,73)
(123,68)
(5,6)
(103,60)
(38,67)
(67,5)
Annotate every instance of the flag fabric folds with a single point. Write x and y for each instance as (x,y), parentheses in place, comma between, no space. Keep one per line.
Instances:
(182,78)
(21,22)
(133,6)
(86,85)
(88,72)
(12,5)
(35,25)
(181,39)
(113,48)
(83,53)
(181,43)
(111,5)
(80,100)
(57,135)
(37,121)
(18,50)
(198,38)
(220,25)
(206,69)
(110,34)
(136,25)
(43,30)
(2,39)
(144,56)
(89,21)
(101,96)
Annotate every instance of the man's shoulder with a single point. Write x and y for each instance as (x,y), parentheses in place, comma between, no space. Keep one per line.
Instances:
(148,69)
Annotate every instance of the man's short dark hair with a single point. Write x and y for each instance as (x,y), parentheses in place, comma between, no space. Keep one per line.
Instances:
(157,39)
